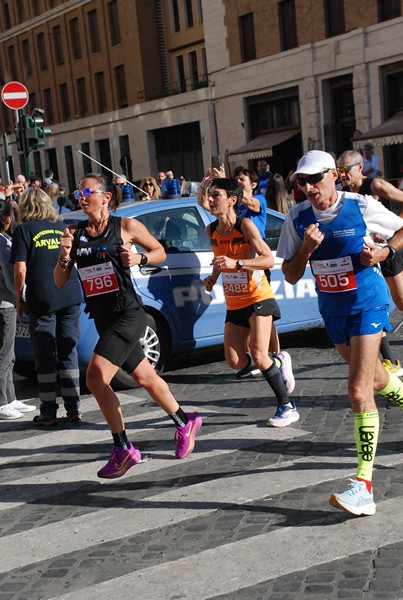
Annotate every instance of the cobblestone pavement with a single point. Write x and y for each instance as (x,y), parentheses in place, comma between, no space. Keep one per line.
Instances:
(246,516)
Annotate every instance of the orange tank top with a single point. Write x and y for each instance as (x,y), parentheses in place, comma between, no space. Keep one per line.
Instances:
(244,287)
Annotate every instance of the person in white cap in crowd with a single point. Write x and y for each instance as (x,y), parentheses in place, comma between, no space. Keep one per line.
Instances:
(331,229)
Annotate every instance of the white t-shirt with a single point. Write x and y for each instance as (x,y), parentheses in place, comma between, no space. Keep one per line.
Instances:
(378,219)
(374,163)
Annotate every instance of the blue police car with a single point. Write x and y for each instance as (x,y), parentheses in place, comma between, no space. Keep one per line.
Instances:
(181,315)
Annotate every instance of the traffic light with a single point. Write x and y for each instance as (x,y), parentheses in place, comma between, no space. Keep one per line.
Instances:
(20,135)
(30,132)
(35,133)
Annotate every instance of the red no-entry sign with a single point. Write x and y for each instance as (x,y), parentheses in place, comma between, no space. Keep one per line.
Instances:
(15,95)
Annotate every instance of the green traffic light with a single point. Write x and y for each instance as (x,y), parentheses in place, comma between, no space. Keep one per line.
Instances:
(29,130)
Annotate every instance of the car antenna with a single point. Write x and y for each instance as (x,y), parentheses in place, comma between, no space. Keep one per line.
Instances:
(113,172)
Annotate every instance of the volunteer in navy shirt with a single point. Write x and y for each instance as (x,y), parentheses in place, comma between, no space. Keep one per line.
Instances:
(53,314)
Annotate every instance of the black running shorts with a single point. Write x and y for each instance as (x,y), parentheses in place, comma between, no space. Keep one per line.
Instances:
(119,338)
(241,316)
(392,266)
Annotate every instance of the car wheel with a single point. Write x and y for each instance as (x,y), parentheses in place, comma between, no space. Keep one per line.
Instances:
(155,345)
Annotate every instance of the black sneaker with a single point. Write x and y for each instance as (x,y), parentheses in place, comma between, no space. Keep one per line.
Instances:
(249,371)
(73,415)
(45,420)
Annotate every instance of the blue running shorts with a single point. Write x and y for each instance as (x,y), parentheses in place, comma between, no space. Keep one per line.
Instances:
(342,329)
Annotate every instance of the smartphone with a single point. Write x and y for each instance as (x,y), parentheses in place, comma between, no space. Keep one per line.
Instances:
(215,162)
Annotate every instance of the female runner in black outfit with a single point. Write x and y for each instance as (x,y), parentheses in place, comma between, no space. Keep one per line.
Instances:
(101,247)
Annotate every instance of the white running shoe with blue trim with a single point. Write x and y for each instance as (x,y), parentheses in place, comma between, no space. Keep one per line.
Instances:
(356,500)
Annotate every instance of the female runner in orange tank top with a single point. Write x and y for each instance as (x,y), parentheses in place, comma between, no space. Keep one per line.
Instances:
(241,256)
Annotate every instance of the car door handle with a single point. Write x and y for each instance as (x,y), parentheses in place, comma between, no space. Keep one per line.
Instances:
(149,269)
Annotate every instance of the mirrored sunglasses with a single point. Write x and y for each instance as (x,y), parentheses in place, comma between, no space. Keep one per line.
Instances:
(347,168)
(85,192)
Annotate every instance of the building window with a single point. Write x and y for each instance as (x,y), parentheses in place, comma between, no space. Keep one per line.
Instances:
(36,7)
(288,24)
(125,157)
(32,100)
(6,15)
(276,111)
(100,91)
(193,70)
(47,98)
(204,63)
(199,11)
(121,90)
(20,11)
(64,101)
(58,45)
(175,15)
(388,9)
(94,31)
(75,39)
(26,57)
(114,24)
(334,16)
(87,163)
(247,37)
(40,44)
(180,73)
(189,22)
(37,163)
(82,97)
(69,162)
(339,113)
(12,62)
(393,88)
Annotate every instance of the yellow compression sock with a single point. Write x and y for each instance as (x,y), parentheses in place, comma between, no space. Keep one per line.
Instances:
(393,390)
(366,429)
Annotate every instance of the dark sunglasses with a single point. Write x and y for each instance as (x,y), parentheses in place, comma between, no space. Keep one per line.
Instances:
(312,179)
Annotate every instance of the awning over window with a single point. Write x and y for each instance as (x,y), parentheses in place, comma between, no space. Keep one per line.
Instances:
(388,133)
(261,146)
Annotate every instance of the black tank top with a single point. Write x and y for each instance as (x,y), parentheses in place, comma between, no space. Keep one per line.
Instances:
(104,249)
(365,189)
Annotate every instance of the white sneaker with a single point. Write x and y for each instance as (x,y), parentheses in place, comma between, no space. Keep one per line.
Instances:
(286,370)
(21,406)
(356,499)
(8,413)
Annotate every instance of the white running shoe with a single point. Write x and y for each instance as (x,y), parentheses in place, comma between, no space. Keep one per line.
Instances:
(286,414)
(8,413)
(286,370)
(356,499)
(22,407)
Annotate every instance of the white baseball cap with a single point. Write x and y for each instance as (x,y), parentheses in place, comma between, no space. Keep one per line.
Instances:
(313,162)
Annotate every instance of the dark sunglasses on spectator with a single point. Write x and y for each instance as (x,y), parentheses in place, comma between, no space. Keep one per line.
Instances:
(312,179)
(148,183)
